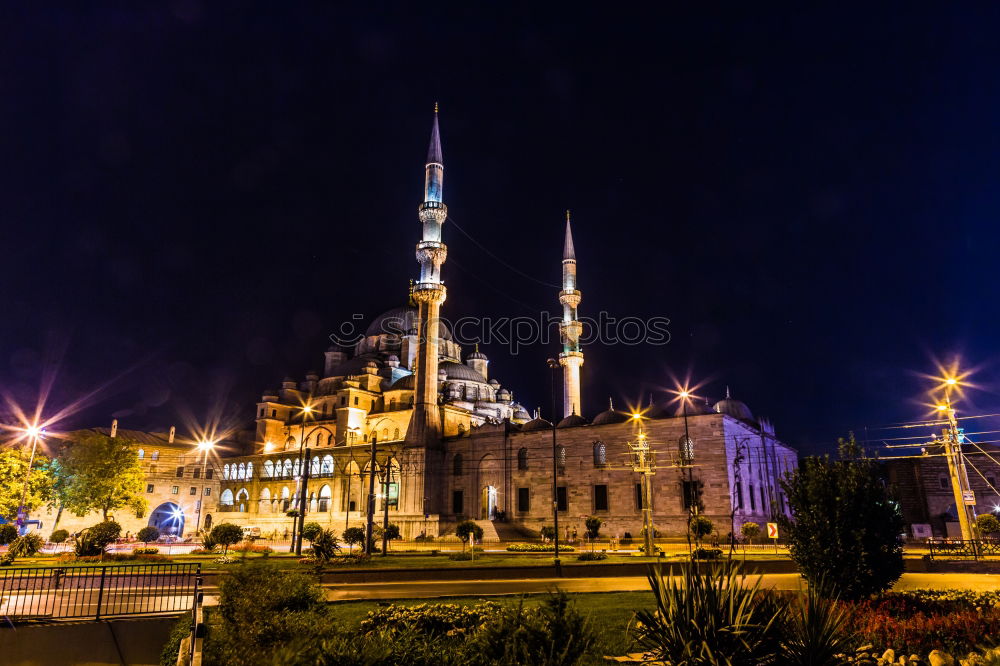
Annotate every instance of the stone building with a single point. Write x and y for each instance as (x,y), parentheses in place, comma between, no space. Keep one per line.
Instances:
(450,442)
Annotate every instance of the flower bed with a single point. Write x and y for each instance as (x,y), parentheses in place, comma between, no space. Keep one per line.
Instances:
(435,619)
(537,548)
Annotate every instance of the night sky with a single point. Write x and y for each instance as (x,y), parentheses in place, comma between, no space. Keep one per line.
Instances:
(194,196)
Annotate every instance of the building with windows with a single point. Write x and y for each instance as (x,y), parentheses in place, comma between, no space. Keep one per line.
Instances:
(451,443)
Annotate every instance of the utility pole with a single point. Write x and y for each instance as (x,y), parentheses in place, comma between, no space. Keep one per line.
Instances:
(370,531)
(554,366)
(952,441)
(643,463)
(385,503)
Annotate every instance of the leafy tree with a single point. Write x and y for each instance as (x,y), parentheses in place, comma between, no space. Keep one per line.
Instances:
(750,531)
(846,529)
(147,534)
(93,540)
(59,536)
(547,532)
(987,523)
(311,530)
(324,545)
(468,528)
(226,535)
(101,473)
(13,467)
(390,533)
(354,536)
(700,527)
(593,526)
(7,534)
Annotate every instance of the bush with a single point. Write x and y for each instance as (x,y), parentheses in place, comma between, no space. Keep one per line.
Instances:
(710,617)
(468,528)
(7,534)
(251,547)
(547,532)
(226,535)
(706,554)
(700,527)
(429,618)
(750,531)
(6,560)
(147,550)
(59,536)
(354,536)
(987,523)
(147,534)
(92,541)
(310,530)
(180,631)
(593,526)
(203,551)
(26,546)
(460,557)
(592,556)
(538,548)
(325,546)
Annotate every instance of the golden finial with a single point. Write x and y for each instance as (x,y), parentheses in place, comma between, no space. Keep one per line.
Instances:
(567,214)
(435,107)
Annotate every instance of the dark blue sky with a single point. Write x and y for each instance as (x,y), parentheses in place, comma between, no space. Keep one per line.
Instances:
(200,193)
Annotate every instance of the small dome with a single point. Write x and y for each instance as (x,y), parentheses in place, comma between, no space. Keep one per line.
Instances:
(520,413)
(655,412)
(572,420)
(536,424)
(455,370)
(477,355)
(733,407)
(393,357)
(503,394)
(406,383)
(610,416)
(494,383)
(400,321)
(693,408)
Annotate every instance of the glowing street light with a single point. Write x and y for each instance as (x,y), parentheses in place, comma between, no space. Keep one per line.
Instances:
(35,433)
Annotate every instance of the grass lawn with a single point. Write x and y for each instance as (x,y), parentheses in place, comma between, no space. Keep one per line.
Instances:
(611,613)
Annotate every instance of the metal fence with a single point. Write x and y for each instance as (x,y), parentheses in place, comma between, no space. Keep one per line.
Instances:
(58,593)
(946,549)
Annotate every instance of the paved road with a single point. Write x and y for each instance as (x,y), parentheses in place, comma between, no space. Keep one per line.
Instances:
(430,589)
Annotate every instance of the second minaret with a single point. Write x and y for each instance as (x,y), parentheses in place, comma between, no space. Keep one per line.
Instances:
(570,328)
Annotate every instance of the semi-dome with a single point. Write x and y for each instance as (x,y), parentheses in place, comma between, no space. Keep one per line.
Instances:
(733,407)
(536,424)
(520,413)
(400,321)
(610,416)
(455,370)
(572,420)
(405,383)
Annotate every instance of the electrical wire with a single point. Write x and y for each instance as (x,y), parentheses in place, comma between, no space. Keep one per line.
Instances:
(498,259)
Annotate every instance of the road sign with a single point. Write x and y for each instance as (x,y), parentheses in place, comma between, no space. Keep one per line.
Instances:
(969,497)
(772,530)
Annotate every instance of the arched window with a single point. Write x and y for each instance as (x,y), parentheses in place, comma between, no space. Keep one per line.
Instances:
(241,472)
(268,469)
(297,468)
(461,428)
(314,467)
(225,471)
(685,446)
(327,467)
(141,453)
(265,500)
(249,470)
(285,502)
(385,434)
(329,439)
(226,498)
(395,434)
(522,458)
(562,457)
(324,498)
(242,497)
(457,469)
(155,456)
(286,469)
(392,405)
(600,454)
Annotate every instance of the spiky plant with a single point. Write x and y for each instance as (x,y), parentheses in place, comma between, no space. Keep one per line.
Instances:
(816,630)
(710,616)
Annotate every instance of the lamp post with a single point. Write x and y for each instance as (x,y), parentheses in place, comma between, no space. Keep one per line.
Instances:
(34,433)
(554,366)
(204,446)
(303,481)
(687,458)
(956,463)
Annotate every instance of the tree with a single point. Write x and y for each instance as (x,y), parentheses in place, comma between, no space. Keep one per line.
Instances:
(354,536)
(59,536)
(7,534)
(593,526)
(147,534)
(548,532)
(390,533)
(226,535)
(93,540)
(846,529)
(13,467)
(100,473)
(987,523)
(324,544)
(750,531)
(466,529)
(700,527)
(310,530)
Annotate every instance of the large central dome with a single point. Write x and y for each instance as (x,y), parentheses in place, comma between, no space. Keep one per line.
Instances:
(398,321)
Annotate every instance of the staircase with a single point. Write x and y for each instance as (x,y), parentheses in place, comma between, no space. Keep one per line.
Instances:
(513,532)
(489,531)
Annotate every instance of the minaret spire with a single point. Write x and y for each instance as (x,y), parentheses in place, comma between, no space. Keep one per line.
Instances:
(570,327)
(434,169)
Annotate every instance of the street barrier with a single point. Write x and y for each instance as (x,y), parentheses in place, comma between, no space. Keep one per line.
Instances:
(64,593)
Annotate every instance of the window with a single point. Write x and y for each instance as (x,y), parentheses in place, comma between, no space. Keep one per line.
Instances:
(395,434)
(763,503)
(274,413)
(174,490)
(208,492)
(523,499)
(691,495)
(562,458)
(739,495)
(943,482)
(193,491)
(155,456)
(180,472)
(753,502)
(600,454)
(992,480)
(457,501)
(522,458)
(457,465)
(225,471)
(149,487)
(196,473)
(343,400)
(561,500)
(355,401)
(209,473)
(638,497)
(600,498)
(141,454)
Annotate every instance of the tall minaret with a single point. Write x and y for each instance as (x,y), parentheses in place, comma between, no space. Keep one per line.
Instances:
(570,328)
(429,293)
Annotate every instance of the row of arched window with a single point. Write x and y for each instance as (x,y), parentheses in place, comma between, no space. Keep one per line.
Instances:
(154,456)
(282,500)
(238,472)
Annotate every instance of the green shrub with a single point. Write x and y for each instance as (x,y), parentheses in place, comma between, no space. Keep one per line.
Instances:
(310,530)
(105,533)
(147,534)
(59,536)
(816,631)
(6,560)
(7,534)
(325,546)
(428,618)
(226,535)
(987,524)
(706,554)
(460,557)
(547,532)
(710,617)
(700,527)
(593,526)
(148,550)
(26,545)
(180,631)
(468,528)
(592,556)
(538,548)
(354,536)
(750,531)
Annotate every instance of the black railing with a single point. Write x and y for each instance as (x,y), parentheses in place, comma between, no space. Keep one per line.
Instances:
(955,548)
(62,593)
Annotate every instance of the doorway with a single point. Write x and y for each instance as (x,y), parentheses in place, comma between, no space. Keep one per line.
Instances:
(488,507)
(168,518)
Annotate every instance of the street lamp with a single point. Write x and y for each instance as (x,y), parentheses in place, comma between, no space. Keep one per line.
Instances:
(554,366)
(296,545)
(687,459)
(205,446)
(34,433)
